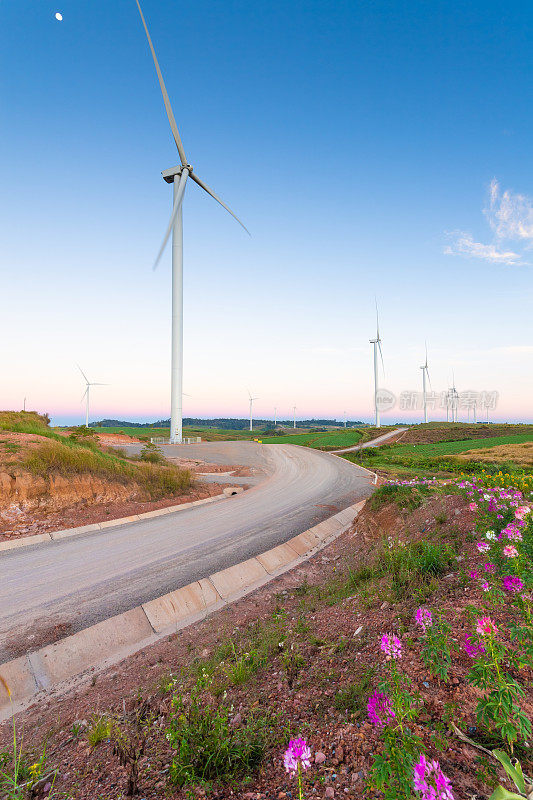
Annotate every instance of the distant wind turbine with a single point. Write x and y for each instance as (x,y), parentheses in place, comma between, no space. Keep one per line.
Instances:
(294,416)
(377,344)
(251,409)
(275,416)
(86,394)
(425,373)
(178,177)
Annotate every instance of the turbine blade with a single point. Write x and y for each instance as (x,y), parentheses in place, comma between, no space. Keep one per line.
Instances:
(429,379)
(377,319)
(206,188)
(166,101)
(381,354)
(85,392)
(83,373)
(426,364)
(175,208)
(99,384)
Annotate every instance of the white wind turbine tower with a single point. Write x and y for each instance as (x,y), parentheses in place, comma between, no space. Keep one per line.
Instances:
(86,394)
(377,344)
(275,416)
(294,416)
(425,374)
(178,176)
(251,409)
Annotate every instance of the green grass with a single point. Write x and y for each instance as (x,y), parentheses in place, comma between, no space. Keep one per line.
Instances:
(431,459)
(207,434)
(67,459)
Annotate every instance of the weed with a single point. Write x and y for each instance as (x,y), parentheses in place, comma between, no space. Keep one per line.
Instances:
(208,745)
(129,737)
(412,565)
(441,518)
(406,497)
(99,729)
(353,698)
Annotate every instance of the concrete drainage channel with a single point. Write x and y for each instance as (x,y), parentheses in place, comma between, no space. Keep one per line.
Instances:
(58,666)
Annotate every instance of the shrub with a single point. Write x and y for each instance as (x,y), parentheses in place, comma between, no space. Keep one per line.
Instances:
(152,454)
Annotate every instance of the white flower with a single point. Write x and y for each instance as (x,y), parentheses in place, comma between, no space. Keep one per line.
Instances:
(490,535)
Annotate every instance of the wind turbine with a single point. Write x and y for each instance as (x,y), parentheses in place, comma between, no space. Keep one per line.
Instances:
(251,407)
(294,416)
(86,394)
(377,343)
(178,177)
(425,373)
(275,416)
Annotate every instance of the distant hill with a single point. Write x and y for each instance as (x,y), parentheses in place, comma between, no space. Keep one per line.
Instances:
(224,423)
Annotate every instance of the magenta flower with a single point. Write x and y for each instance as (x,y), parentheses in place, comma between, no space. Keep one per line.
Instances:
(423,618)
(485,586)
(430,780)
(473,574)
(512,583)
(490,568)
(485,626)
(510,551)
(391,646)
(380,710)
(483,547)
(472,506)
(298,751)
(472,647)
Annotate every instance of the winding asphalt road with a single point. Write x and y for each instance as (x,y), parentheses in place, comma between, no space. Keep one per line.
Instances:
(50,590)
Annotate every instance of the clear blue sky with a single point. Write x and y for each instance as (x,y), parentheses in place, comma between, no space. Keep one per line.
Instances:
(356,140)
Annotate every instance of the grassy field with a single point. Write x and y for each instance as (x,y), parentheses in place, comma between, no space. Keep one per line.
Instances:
(331,439)
(207,434)
(426,459)
(328,440)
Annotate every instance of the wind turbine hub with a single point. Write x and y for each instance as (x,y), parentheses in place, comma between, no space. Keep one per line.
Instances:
(170,174)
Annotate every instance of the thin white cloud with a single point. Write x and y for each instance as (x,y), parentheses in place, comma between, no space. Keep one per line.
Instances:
(464,245)
(510,215)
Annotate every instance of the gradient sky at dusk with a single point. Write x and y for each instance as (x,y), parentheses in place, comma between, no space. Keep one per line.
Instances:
(372,148)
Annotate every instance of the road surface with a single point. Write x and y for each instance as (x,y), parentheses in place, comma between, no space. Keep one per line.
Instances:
(51,590)
(373,442)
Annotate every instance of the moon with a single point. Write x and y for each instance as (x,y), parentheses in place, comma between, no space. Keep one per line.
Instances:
(59,16)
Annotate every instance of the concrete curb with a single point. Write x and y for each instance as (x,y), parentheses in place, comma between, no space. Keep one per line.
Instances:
(56,666)
(39,538)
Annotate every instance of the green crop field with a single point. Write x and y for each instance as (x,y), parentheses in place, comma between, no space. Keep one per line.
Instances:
(331,439)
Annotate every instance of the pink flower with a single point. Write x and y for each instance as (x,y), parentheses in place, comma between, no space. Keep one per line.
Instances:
(510,551)
(485,586)
(483,547)
(490,568)
(391,646)
(472,647)
(297,751)
(423,618)
(512,583)
(522,511)
(430,781)
(380,710)
(473,574)
(485,626)
(472,506)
